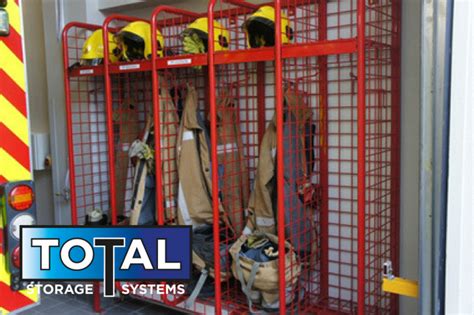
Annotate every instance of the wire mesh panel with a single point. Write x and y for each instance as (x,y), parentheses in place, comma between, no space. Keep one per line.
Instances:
(325,221)
(87,131)
(242,114)
(382,133)
(339,234)
(131,105)
(89,145)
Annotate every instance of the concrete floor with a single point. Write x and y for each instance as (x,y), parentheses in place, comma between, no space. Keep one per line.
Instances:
(82,305)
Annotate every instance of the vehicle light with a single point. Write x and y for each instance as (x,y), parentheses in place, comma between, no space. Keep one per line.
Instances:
(16,257)
(21,198)
(4,23)
(18,221)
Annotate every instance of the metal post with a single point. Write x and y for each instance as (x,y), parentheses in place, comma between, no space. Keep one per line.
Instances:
(215,177)
(324,161)
(157,126)
(67,87)
(280,154)
(361,157)
(110,124)
(395,149)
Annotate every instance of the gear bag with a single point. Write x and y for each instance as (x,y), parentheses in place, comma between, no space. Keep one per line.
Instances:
(203,257)
(255,264)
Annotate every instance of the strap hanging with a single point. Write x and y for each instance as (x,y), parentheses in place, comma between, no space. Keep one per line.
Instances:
(197,289)
(247,287)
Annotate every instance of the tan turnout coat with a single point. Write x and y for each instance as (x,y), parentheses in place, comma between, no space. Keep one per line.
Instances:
(194,168)
(262,208)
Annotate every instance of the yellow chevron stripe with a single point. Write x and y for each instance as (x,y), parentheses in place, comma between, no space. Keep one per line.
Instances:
(12,66)
(11,169)
(14,120)
(14,15)
(17,123)
(4,275)
(33,296)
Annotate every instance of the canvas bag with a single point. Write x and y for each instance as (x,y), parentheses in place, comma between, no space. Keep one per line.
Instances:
(263,277)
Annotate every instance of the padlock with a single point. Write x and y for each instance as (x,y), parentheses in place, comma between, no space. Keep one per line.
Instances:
(4,23)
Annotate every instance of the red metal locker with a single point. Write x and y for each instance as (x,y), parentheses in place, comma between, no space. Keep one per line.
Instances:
(340,65)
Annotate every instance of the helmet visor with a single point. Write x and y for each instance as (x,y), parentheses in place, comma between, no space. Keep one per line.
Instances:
(133,46)
(91,62)
(261,32)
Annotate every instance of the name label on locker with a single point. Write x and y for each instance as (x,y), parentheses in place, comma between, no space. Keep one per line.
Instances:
(129,67)
(176,62)
(86,71)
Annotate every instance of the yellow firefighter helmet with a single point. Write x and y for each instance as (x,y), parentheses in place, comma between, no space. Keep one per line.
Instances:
(93,50)
(195,37)
(135,40)
(260,28)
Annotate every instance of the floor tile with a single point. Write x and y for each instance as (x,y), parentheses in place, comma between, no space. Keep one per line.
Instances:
(83,305)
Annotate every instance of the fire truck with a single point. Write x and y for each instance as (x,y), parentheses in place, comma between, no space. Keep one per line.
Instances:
(17,197)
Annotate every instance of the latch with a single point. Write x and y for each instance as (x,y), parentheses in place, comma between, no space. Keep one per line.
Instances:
(4,21)
(396,285)
(66,192)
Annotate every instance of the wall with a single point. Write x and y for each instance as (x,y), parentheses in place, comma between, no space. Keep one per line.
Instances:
(410,141)
(37,99)
(460,235)
(74,10)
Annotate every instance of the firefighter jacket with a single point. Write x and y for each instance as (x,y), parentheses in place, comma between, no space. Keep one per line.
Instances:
(169,122)
(233,181)
(262,210)
(194,168)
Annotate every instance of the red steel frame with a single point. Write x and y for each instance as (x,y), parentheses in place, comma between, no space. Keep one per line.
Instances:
(374,39)
(361,155)
(76,37)
(215,178)
(69,122)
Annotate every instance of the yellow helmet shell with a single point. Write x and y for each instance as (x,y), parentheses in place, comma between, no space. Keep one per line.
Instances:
(93,49)
(221,34)
(138,34)
(266,15)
